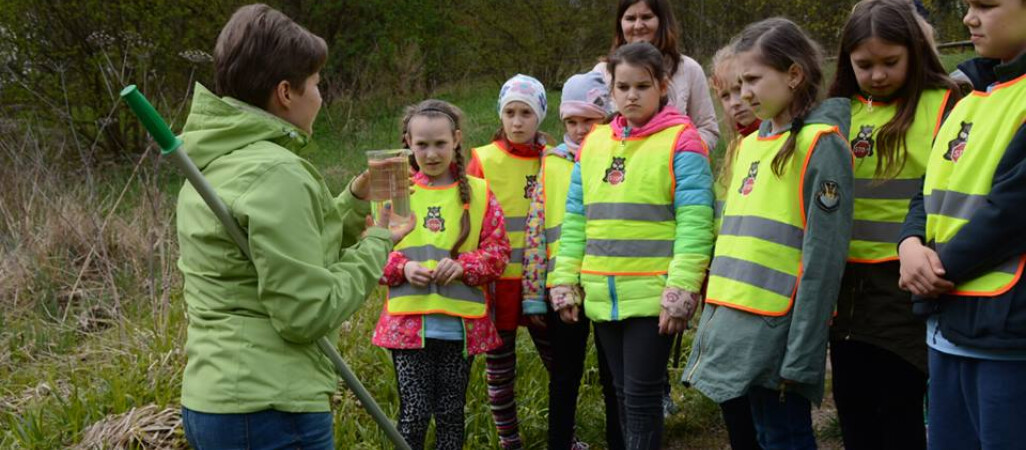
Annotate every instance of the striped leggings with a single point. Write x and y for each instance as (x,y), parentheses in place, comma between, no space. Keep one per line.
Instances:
(501,375)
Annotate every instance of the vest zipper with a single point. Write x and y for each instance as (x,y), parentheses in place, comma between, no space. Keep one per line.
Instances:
(701,345)
(869,103)
(626,135)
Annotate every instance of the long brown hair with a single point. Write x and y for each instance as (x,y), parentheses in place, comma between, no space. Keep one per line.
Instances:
(441,109)
(666,35)
(780,44)
(893,22)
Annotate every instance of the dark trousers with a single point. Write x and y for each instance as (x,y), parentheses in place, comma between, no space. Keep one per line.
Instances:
(976,403)
(637,355)
(432,382)
(782,422)
(267,429)
(569,349)
(879,397)
(737,415)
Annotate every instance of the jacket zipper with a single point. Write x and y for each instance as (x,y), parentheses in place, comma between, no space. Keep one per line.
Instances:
(701,345)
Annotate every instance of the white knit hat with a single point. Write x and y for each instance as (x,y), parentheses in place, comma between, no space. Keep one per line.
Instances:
(527,89)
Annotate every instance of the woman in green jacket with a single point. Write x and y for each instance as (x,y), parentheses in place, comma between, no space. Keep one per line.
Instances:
(254,375)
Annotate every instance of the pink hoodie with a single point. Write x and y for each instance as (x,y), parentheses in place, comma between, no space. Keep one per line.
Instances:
(688,141)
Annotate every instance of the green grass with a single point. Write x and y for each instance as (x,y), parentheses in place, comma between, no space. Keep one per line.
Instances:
(56,379)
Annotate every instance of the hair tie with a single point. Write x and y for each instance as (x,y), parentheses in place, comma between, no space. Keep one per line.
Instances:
(466,206)
(797,123)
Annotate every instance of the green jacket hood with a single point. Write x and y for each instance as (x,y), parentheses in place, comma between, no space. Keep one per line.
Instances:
(218,126)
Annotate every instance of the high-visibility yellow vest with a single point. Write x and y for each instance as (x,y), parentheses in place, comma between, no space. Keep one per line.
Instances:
(438,211)
(628,190)
(758,257)
(960,174)
(881,204)
(512,178)
(555,183)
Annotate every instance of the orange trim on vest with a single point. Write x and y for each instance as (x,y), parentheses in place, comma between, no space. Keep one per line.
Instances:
(631,274)
(790,301)
(488,303)
(940,114)
(999,291)
(872,261)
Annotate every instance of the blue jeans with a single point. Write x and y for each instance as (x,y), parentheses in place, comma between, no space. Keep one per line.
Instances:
(268,429)
(782,423)
(976,403)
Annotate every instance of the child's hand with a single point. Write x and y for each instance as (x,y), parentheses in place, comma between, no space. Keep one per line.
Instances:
(417,274)
(569,314)
(678,306)
(448,271)
(921,270)
(669,324)
(564,296)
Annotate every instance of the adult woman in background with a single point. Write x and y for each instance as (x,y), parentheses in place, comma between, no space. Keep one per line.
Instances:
(653,21)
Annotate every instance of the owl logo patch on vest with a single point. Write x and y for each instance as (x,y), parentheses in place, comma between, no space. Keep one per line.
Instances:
(433,221)
(748,184)
(957,145)
(617,171)
(828,198)
(530,185)
(862,145)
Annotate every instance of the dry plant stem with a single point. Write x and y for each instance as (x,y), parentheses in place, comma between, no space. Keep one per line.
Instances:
(103,226)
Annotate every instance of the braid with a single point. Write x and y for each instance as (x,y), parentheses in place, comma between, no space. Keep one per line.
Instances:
(464,186)
(439,108)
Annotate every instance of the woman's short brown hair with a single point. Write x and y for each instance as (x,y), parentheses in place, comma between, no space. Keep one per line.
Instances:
(260,47)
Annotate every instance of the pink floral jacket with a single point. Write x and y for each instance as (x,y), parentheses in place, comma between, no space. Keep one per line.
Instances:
(480,267)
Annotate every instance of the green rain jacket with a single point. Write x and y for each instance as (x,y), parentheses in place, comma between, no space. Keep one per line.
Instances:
(253,324)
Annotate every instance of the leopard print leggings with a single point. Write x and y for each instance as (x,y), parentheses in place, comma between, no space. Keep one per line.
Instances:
(432,381)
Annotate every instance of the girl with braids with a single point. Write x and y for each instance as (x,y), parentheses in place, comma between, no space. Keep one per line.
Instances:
(899,95)
(782,243)
(436,317)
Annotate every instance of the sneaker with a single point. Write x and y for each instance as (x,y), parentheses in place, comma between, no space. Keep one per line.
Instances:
(578,445)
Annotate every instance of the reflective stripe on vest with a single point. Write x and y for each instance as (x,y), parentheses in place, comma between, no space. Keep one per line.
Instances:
(511,179)
(881,204)
(628,201)
(555,182)
(439,211)
(758,253)
(960,174)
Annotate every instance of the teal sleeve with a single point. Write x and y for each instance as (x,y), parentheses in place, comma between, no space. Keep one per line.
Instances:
(693,200)
(571,240)
(304,297)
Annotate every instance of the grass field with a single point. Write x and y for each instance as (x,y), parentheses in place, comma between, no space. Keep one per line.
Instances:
(93,323)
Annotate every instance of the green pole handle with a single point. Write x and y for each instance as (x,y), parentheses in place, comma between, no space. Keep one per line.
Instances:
(151,119)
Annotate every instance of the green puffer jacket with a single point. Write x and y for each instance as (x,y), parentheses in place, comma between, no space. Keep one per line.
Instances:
(253,323)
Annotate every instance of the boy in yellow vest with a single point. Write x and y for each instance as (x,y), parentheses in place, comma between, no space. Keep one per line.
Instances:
(963,249)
